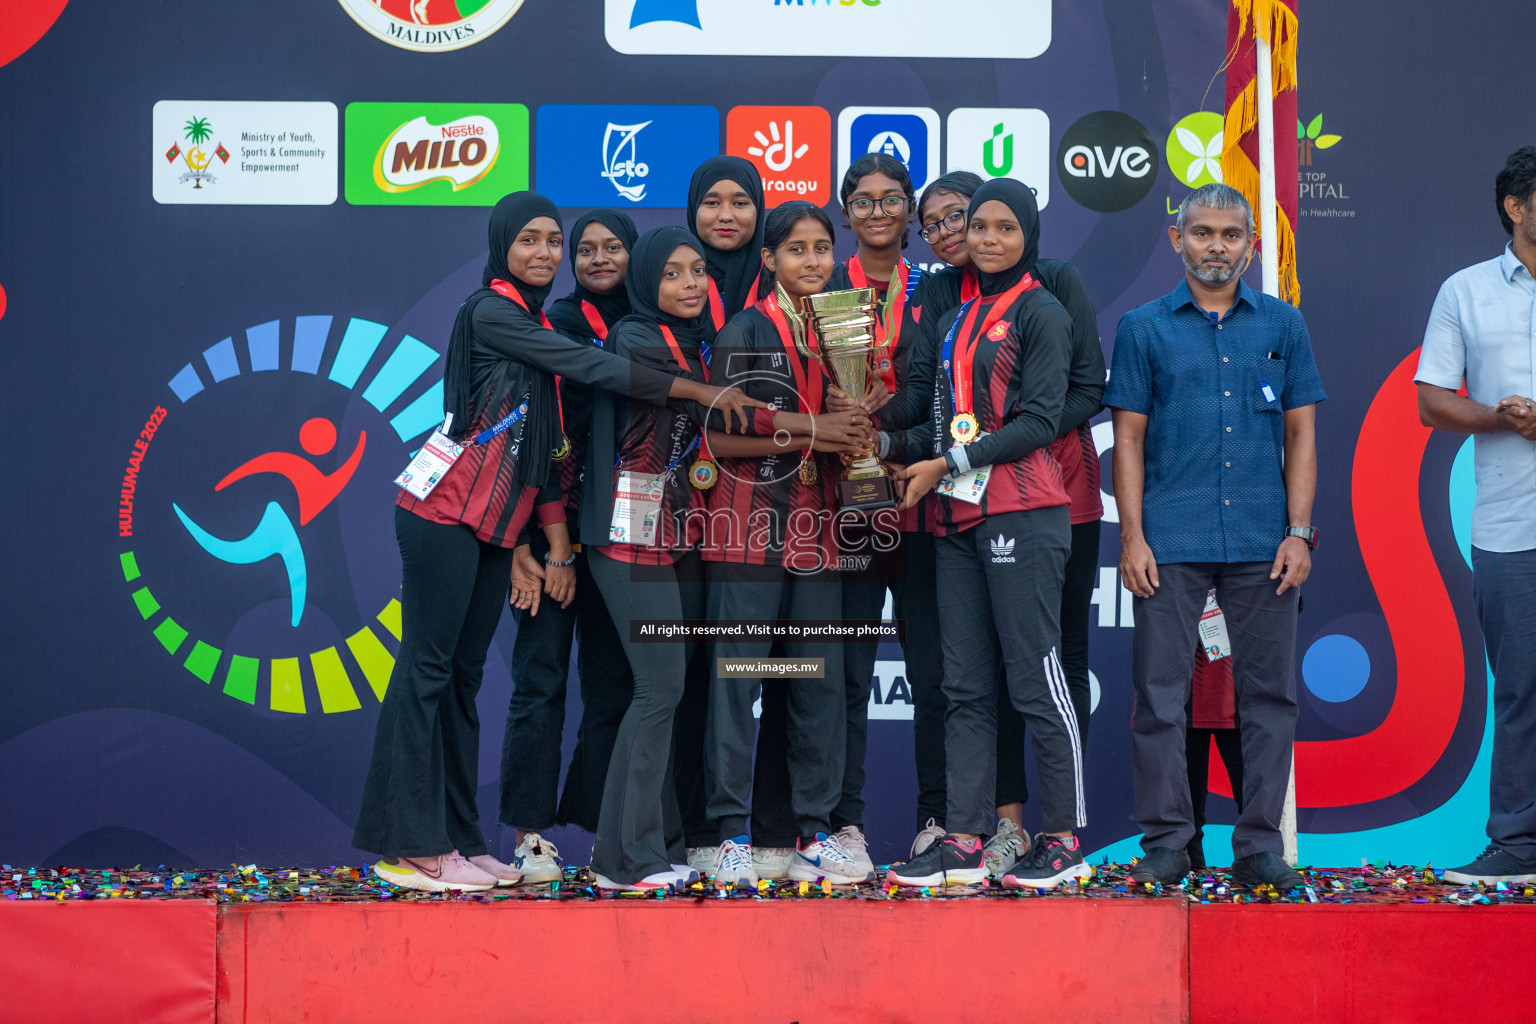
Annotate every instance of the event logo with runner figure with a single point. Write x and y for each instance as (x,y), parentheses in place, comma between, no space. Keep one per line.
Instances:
(254,514)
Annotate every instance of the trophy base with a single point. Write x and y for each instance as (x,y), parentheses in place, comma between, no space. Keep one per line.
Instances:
(867,494)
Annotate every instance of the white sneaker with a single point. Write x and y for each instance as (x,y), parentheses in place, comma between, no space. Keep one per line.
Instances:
(851,838)
(826,859)
(686,872)
(435,874)
(931,833)
(505,874)
(1004,849)
(650,883)
(538,860)
(772,861)
(733,865)
(702,859)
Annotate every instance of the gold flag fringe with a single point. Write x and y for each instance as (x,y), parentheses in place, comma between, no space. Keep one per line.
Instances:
(1239,172)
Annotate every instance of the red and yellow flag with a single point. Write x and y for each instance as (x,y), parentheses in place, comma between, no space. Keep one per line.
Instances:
(1275,22)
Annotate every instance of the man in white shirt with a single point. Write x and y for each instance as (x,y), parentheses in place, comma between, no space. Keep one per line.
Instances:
(1483,329)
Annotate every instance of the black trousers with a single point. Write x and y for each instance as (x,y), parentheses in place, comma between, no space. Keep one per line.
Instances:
(813,708)
(1076,604)
(1197,755)
(1000,589)
(639,830)
(419,795)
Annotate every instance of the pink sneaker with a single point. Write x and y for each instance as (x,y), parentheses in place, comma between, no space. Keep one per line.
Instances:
(435,874)
(505,874)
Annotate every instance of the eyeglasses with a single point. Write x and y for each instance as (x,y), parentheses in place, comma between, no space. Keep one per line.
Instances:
(953,221)
(893,206)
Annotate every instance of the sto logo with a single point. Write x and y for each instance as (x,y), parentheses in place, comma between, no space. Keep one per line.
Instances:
(685,12)
(274,534)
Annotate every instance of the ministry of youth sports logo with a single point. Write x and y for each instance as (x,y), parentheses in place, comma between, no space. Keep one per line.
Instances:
(431,26)
(254,515)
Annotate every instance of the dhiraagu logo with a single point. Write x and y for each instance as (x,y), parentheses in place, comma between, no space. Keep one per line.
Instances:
(1002,142)
(1194,148)
(435,154)
(254,516)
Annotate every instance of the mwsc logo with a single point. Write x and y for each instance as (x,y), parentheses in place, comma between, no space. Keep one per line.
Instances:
(254,514)
(431,26)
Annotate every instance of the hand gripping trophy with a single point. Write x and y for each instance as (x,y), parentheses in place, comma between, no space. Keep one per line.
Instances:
(843,323)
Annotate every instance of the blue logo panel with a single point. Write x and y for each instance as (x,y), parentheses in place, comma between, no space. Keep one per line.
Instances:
(904,136)
(622,156)
(683,11)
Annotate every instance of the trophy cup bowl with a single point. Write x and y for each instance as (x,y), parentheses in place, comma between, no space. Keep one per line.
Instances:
(843,323)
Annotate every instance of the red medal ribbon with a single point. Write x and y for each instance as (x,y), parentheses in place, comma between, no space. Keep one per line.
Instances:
(810,396)
(887,330)
(965,351)
(507,291)
(599,329)
(717,305)
(677,354)
(970,287)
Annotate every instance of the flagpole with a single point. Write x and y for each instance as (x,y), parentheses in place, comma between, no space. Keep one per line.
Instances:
(1269,266)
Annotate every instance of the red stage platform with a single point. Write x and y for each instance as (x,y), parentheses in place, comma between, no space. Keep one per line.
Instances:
(1146,960)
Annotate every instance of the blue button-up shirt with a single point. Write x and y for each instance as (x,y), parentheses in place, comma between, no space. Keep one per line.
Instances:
(1213,391)
(1483,327)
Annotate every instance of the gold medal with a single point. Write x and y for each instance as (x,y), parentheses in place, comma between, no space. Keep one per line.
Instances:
(563,450)
(703,474)
(808,470)
(963,428)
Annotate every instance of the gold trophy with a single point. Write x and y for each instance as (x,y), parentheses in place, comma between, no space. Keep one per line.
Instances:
(844,324)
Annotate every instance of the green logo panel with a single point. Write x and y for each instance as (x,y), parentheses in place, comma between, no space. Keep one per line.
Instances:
(435,154)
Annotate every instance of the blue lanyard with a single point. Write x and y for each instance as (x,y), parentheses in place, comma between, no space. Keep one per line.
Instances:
(914,275)
(949,349)
(692,445)
(505,423)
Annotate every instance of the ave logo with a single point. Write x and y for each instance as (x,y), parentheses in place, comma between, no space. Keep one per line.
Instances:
(1108,161)
(791,147)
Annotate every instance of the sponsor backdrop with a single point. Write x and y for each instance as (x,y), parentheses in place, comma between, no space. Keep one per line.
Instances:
(210,400)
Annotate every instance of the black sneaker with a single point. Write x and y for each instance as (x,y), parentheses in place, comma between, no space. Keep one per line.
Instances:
(1493,865)
(1163,865)
(1266,868)
(1048,863)
(946,862)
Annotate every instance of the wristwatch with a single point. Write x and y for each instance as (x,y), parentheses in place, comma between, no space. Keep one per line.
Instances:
(1306,533)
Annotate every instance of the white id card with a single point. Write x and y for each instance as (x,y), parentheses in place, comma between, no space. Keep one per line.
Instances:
(1213,629)
(434,460)
(636,509)
(967,487)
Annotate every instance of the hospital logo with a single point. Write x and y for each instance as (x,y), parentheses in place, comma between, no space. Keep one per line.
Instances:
(623,156)
(431,26)
(1002,143)
(910,134)
(255,504)
(435,154)
(791,147)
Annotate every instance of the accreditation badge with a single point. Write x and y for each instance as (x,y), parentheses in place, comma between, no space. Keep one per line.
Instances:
(702,474)
(967,487)
(431,463)
(636,509)
(964,428)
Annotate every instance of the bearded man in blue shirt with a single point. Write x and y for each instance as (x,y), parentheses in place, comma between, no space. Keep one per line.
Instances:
(1214,389)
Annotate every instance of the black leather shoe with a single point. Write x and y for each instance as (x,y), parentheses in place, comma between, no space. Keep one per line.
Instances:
(1266,868)
(1162,865)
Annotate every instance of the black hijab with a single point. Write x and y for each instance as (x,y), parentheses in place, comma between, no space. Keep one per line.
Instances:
(1017,197)
(732,271)
(541,428)
(647,262)
(615,304)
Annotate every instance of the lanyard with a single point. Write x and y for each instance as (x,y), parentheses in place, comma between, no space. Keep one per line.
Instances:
(503,424)
(599,329)
(808,393)
(717,306)
(888,327)
(677,354)
(507,291)
(692,445)
(958,364)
